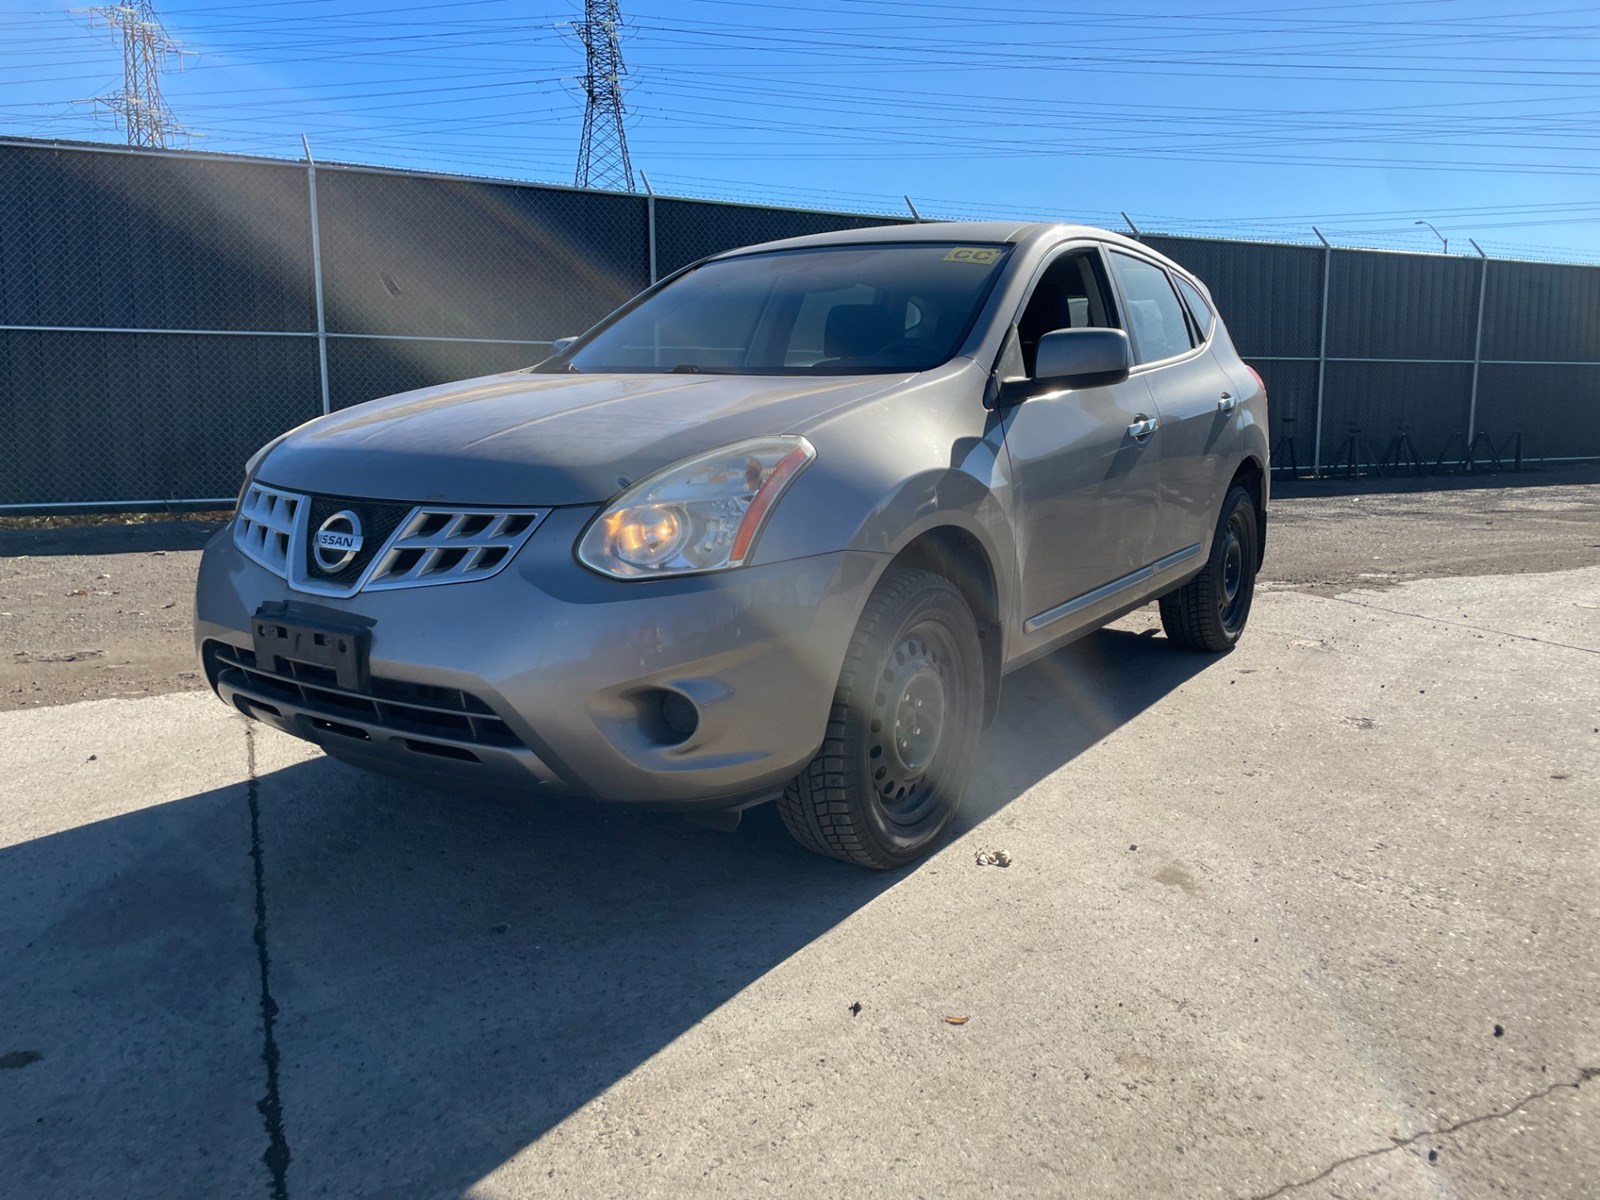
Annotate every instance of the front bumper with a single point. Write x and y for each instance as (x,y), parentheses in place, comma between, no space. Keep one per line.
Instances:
(549,677)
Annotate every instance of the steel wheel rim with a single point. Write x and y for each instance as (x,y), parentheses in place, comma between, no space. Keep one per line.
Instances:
(1235,590)
(910,725)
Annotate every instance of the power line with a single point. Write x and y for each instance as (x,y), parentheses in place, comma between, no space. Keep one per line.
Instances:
(743,86)
(603,160)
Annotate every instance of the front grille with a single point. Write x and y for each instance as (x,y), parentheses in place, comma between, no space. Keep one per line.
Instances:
(417,709)
(378,523)
(264,529)
(402,545)
(439,545)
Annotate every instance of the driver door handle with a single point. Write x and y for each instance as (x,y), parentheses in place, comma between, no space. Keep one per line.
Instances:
(1143,428)
(1227,402)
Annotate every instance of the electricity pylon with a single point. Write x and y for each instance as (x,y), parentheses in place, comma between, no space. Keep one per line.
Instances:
(603,154)
(145,47)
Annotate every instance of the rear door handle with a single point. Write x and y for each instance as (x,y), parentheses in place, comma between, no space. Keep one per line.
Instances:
(1142,428)
(1227,403)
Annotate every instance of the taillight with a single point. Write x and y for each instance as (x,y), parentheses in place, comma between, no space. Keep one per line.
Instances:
(1261,383)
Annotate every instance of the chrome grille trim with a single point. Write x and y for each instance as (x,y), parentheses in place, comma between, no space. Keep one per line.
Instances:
(432,545)
(266,527)
(451,545)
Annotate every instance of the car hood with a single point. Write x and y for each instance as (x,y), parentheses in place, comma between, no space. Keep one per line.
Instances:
(544,439)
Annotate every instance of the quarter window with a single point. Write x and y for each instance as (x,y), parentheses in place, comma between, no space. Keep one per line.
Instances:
(1155,318)
(1198,308)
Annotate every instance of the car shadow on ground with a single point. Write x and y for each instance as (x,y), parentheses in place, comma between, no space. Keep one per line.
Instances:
(453,977)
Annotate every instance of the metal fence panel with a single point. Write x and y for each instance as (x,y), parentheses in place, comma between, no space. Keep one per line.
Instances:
(408,254)
(1270,296)
(152,241)
(362,369)
(1556,408)
(1542,311)
(1402,306)
(1383,399)
(1291,404)
(687,230)
(429,278)
(92,417)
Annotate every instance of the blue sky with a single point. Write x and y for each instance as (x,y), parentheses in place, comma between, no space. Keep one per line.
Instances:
(1215,117)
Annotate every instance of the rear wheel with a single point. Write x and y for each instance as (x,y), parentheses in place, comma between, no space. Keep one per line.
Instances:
(902,731)
(1209,612)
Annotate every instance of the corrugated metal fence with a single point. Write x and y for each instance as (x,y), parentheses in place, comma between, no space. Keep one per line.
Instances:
(164,313)
(1453,352)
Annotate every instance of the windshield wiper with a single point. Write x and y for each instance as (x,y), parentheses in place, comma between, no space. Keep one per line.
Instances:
(685,369)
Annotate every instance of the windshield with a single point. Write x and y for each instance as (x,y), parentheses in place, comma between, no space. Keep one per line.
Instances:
(846,310)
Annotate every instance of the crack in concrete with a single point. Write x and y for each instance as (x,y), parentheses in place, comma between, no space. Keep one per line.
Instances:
(1521,637)
(1584,1075)
(270,1106)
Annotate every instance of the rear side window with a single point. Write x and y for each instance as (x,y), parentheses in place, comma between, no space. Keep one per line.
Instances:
(1154,316)
(1198,308)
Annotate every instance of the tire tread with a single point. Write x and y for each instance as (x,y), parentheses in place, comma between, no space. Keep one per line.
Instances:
(1190,614)
(817,806)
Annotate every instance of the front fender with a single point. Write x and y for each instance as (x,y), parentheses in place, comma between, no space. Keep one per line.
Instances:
(893,467)
(948,500)
(925,503)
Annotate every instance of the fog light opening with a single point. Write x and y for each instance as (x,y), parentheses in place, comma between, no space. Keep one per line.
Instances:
(679,717)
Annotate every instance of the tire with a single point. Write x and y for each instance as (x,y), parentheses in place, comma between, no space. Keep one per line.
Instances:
(868,797)
(1209,612)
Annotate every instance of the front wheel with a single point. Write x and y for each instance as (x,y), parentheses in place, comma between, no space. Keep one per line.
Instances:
(902,732)
(1209,612)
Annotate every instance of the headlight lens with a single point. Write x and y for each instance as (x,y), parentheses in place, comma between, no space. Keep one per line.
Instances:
(698,515)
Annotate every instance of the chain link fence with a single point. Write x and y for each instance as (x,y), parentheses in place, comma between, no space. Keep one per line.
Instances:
(162,314)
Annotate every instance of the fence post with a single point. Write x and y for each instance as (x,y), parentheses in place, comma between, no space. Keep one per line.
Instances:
(1477,348)
(1322,350)
(650,216)
(650,223)
(316,274)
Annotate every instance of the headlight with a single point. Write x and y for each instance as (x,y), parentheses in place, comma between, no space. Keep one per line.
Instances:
(698,515)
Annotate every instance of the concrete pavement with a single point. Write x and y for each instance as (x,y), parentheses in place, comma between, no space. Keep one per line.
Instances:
(126,959)
(1320,918)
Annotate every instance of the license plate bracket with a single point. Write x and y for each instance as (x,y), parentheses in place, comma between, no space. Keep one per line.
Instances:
(285,633)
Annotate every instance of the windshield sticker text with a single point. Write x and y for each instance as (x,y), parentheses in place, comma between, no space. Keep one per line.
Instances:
(973,254)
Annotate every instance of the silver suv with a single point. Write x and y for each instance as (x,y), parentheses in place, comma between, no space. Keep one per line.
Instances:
(774,530)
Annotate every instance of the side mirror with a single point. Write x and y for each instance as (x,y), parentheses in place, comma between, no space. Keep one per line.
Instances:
(1083,357)
(559,346)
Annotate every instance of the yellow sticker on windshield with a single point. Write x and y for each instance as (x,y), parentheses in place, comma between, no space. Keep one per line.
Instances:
(973,254)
